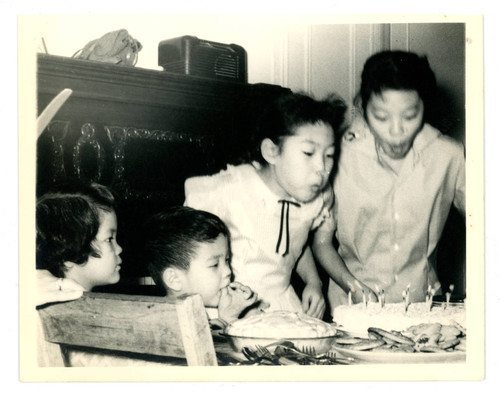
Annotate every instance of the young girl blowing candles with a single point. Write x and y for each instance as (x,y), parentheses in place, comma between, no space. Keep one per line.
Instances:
(398,177)
(272,203)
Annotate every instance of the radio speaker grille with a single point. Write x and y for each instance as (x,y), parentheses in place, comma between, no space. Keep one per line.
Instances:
(192,56)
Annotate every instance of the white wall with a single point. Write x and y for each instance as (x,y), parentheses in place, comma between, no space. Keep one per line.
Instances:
(64,35)
(316,58)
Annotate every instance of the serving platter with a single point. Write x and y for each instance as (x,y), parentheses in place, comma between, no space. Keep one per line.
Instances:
(320,344)
(380,357)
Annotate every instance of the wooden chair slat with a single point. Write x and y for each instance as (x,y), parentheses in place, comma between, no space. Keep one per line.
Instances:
(132,323)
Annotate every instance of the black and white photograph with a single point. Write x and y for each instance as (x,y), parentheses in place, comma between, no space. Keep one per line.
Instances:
(231,197)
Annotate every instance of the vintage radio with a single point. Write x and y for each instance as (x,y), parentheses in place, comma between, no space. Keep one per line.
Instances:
(195,57)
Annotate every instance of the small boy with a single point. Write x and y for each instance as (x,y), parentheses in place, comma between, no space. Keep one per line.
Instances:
(187,252)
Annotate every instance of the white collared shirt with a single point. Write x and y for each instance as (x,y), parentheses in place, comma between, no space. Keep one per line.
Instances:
(252,213)
(388,223)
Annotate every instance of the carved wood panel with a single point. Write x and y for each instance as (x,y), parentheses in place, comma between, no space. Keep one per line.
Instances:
(141,133)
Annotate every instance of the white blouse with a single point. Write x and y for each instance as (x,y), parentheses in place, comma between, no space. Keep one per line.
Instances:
(255,216)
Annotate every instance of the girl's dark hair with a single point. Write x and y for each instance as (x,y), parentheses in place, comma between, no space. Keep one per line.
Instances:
(67,222)
(399,70)
(291,111)
(172,238)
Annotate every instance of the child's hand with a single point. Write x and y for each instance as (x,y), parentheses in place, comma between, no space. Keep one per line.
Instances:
(233,300)
(313,302)
(259,308)
(359,290)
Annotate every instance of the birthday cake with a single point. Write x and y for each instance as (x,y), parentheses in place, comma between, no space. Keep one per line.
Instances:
(280,324)
(358,318)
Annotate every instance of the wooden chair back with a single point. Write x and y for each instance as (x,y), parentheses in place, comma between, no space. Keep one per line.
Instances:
(128,323)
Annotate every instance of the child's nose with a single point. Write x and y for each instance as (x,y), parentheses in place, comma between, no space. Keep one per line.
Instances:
(320,165)
(118,249)
(396,127)
(226,270)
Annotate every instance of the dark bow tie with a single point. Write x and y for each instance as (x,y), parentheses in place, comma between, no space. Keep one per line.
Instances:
(284,227)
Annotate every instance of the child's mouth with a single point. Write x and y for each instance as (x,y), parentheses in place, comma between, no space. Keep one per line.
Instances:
(398,149)
(225,285)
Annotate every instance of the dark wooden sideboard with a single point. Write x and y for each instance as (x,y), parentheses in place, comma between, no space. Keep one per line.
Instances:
(142,133)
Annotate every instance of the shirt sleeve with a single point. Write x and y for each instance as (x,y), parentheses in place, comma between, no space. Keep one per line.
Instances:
(208,193)
(324,222)
(459,199)
(201,193)
(192,192)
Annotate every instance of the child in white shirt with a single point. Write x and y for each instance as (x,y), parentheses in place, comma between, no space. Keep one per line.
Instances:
(274,202)
(398,177)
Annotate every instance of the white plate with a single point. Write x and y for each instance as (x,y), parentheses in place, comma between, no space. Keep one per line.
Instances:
(400,357)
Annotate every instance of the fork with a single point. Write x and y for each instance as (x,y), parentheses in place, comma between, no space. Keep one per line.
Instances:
(330,357)
(310,351)
(316,358)
(249,354)
(263,352)
(338,360)
(258,355)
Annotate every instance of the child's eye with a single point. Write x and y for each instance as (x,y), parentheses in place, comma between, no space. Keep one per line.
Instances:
(109,239)
(215,265)
(380,118)
(308,154)
(410,117)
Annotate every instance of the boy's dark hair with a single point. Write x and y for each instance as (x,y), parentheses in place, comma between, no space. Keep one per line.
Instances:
(67,222)
(291,111)
(172,237)
(398,70)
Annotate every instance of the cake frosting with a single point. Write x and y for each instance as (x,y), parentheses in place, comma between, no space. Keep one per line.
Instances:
(280,324)
(358,318)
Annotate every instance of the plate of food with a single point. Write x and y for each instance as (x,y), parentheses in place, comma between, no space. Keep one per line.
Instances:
(420,332)
(273,328)
(423,343)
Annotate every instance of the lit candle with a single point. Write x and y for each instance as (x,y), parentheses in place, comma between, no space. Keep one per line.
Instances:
(406,296)
(448,296)
(349,298)
(428,300)
(364,299)
(431,295)
(383,298)
(379,296)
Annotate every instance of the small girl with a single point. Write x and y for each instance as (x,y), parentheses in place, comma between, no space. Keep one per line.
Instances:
(273,203)
(398,177)
(76,229)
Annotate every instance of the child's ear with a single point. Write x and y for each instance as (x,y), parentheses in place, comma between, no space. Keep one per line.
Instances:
(69,265)
(270,151)
(172,279)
